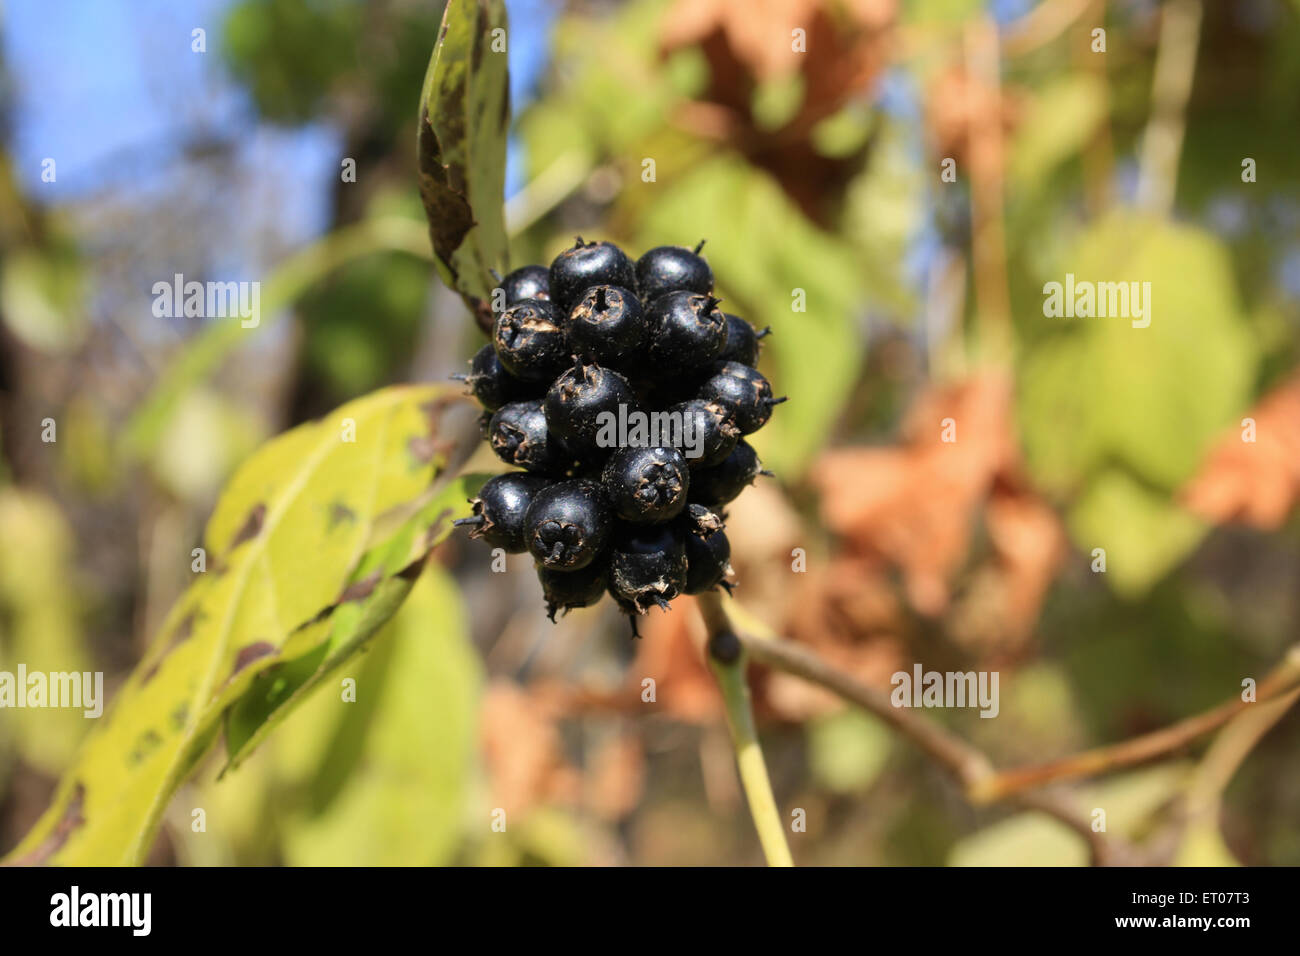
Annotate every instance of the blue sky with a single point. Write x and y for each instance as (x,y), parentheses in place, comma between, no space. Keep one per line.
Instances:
(111,90)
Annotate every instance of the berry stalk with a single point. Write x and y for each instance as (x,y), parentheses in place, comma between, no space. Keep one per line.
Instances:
(727,661)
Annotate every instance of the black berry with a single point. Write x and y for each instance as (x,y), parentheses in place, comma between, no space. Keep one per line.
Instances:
(578,403)
(742,341)
(708,434)
(722,483)
(647,567)
(687,328)
(708,562)
(608,326)
(499,510)
(569,589)
(529,282)
(623,393)
(519,436)
(672,269)
(646,485)
(490,383)
(567,525)
(529,341)
(743,392)
(576,270)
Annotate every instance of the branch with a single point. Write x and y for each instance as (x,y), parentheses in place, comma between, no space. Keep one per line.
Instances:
(1162,143)
(966,764)
(1089,763)
(973,771)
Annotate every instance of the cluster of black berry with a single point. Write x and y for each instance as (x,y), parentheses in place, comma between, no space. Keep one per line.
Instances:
(578,352)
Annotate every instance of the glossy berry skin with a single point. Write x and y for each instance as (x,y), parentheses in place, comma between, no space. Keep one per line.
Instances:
(528,282)
(519,436)
(647,567)
(742,342)
(646,485)
(576,402)
(586,264)
(688,330)
(722,483)
(743,392)
(529,341)
(672,269)
(565,590)
(499,510)
(708,560)
(713,435)
(608,326)
(567,525)
(491,384)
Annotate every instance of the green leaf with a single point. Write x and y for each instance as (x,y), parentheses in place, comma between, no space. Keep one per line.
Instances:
(287,537)
(1031,839)
(395,793)
(42,298)
(1060,121)
(461,146)
(847,750)
(1117,417)
(380,584)
(766,251)
(1145,534)
(40,625)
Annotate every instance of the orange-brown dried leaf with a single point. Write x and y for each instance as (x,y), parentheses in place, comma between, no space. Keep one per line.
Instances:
(521,749)
(1255,483)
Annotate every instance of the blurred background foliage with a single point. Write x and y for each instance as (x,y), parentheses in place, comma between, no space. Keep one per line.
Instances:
(813,174)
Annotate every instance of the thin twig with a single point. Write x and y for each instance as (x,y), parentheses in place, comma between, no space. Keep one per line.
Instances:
(981,784)
(1162,142)
(1138,750)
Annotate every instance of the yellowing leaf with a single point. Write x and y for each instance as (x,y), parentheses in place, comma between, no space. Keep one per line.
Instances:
(402,802)
(282,545)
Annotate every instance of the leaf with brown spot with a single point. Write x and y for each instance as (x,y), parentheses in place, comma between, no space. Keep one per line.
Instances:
(461,150)
(285,567)
(379,585)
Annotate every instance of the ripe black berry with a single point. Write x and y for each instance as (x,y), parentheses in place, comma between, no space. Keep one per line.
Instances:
(567,525)
(608,326)
(646,485)
(708,433)
(528,340)
(742,341)
(518,435)
(529,282)
(499,510)
(577,402)
(569,589)
(672,269)
(613,500)
(722,483)
(708,562)
(647,567)
(687,330)
(576,270)
(743,392)
(490,383)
